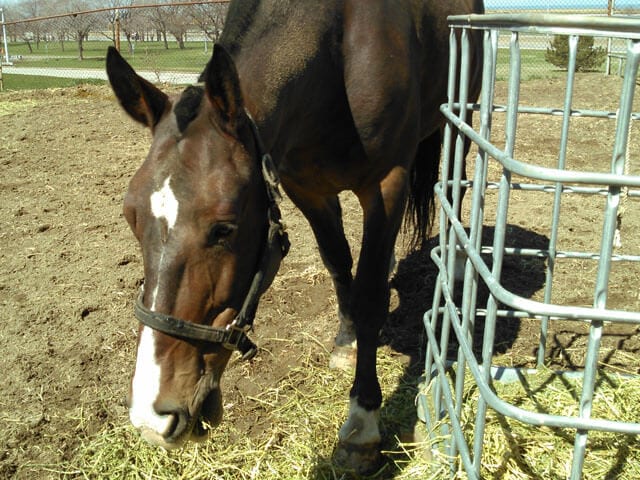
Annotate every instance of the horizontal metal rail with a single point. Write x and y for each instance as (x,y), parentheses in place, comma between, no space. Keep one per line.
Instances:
(548,188)
(574,24)
(504,296)
(537,172)
(554,111)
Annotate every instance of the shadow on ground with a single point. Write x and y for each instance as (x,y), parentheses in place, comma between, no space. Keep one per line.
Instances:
(403,332)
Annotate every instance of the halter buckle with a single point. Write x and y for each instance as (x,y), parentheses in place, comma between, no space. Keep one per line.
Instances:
(237,339)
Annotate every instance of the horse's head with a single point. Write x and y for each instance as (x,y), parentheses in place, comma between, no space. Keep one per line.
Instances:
(202,207)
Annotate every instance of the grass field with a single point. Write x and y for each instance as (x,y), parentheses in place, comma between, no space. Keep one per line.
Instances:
(145,55)
(36,82)
(153,56)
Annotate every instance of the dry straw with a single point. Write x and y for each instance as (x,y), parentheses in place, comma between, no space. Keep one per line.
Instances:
(303,411)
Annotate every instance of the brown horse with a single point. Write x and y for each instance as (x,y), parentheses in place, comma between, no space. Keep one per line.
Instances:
(344,95)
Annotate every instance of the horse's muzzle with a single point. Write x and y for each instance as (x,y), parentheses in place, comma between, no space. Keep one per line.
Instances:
(187,425)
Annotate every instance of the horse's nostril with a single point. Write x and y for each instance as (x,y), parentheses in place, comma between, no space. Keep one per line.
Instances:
(179,422)
(171,427)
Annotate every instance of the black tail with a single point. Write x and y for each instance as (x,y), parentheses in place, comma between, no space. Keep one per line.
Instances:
(424,175)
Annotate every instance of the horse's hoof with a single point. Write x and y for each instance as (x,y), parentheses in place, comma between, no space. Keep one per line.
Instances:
(343,357)
(364,459)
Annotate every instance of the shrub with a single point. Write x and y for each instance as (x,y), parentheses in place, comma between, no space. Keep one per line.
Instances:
(588,57)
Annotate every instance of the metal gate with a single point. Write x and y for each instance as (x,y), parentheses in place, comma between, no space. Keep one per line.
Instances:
(456,307)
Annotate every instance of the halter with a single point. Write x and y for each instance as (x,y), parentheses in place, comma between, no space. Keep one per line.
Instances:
(234,336)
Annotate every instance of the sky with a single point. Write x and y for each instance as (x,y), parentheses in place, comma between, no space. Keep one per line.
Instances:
(558,4)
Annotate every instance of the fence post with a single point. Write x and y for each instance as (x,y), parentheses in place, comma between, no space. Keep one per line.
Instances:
(117,32)
(4,36)
(610,9)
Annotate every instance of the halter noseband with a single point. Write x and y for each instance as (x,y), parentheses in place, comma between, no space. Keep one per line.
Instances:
(234,336)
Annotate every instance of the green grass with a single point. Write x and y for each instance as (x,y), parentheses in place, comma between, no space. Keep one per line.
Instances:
(534,65)
(153,56)
(34,82)
(146,55)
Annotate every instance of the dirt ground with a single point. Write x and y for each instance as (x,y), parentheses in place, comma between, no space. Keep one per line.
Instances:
(70,269)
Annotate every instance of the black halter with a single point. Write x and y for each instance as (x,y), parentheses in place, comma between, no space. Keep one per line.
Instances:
(234,336)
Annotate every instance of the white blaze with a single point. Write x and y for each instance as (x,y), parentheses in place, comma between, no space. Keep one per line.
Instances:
(164,204)
(146,378)
(146,387)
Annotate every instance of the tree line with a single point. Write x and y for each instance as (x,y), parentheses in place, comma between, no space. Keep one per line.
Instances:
(73,20)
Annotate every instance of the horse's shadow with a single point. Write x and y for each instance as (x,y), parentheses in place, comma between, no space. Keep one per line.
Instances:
(404,332)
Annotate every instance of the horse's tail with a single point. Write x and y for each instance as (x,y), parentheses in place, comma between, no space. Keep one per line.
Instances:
(423,177)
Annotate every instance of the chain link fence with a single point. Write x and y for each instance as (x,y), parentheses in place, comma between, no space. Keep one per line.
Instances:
(539,51)
(167,43)
(171,42)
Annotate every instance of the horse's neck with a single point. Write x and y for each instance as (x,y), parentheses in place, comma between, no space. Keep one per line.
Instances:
(272,43)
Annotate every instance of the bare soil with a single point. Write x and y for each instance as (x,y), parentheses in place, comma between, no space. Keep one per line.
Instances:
(70,269)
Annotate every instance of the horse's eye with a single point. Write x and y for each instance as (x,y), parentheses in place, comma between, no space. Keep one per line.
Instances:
(220,232)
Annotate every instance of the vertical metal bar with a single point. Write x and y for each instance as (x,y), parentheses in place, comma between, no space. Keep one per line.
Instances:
(562,157)
(606,249)
(498,243)
(477,211)
(482,162)
(458,167)
(429,359)
(444,224)
(456,426)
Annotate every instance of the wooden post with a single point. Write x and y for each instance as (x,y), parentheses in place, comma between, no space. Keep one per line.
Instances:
(607,69)
(117,33)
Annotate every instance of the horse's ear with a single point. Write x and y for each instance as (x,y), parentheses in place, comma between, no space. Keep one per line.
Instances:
(140,99)
(223,87)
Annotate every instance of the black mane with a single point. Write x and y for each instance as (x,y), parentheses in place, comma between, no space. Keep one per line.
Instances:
(188,106)
(240,17)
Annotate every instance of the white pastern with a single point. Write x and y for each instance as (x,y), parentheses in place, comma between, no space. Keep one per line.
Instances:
(361,427)
(164,204)
(146,387)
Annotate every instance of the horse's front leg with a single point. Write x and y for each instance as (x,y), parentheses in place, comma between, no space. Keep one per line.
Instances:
(325,217)
(383,208)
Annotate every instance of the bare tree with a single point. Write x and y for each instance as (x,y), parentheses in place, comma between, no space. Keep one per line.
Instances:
(178,24)
(209,18)
(121,19)
(30,33)
(159,20)
(81,24)
(171,20)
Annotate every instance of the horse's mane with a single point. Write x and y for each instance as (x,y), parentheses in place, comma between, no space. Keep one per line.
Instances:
(188,106)
(255,17)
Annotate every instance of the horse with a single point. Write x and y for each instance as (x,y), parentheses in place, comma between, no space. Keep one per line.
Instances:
(311,97)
